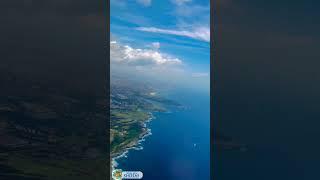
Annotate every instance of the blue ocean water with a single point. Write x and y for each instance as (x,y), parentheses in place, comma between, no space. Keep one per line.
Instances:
(179,147)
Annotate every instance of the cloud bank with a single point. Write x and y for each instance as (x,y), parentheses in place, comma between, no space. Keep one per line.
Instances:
(151,65)
(125,54)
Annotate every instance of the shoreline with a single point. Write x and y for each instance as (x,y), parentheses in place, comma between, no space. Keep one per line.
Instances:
(136,146)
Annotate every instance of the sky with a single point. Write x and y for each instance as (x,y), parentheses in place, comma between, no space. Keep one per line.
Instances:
(166,40)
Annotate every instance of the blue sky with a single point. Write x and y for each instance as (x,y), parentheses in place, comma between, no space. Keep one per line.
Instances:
(168,31)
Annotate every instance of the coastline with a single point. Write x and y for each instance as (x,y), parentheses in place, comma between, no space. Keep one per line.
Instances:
(135,145)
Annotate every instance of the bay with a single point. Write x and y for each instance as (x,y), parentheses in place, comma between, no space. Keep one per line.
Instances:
(179,147)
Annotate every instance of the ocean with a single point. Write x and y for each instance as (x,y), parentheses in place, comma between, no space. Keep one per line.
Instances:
(179,147)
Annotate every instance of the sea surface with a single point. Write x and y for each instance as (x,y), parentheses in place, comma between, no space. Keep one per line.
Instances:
(179,147)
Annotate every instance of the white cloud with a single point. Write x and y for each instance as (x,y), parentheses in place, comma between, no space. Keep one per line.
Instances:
(144,2)
(150,65)
(124,54)
(180,2)
(193,11)
(199,75)
(156,45)
(194,18)
(199,33)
